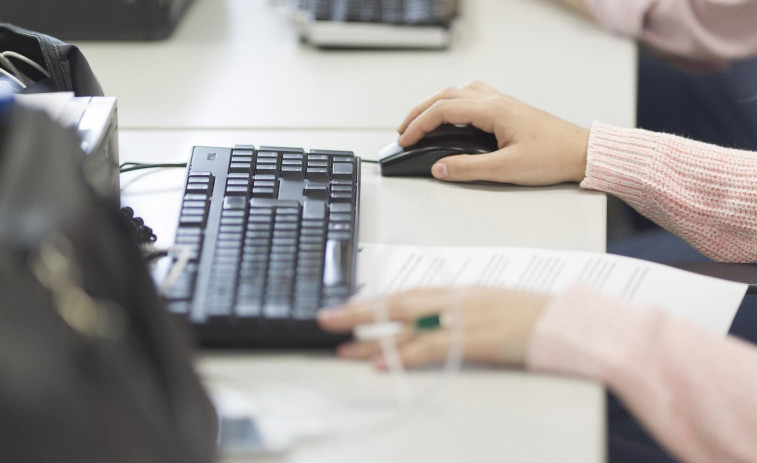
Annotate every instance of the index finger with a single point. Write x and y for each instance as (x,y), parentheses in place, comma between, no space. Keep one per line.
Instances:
(478,112)
(449,93)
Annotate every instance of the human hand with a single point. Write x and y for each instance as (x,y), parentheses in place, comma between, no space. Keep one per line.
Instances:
(536,148)
(497,325)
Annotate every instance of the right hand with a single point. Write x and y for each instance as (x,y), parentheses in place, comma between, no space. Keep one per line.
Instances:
(536,148)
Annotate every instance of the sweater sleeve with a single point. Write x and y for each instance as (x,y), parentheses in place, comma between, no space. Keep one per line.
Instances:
(703,193)
(694,391)
(697,30)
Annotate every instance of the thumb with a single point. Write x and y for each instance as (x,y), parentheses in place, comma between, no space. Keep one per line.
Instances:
(469,167)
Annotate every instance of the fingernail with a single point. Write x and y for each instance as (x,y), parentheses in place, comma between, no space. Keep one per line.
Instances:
(400,139)
(439,170)
(379,362)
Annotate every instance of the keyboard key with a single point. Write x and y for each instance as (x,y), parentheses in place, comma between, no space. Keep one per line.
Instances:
(234,202)
(317,173)
(264,192)
(331,153)
(292,172)
(187,231)
(306,224)
(192,211)
(339,226)
(316,191)
(282,149)
(314,209)
(341,197)
(231,228)
(343,170)
(189,239)
(263,169)
(197,188)
(230,237)
(287,211)
(248,306)
(341,207)
(237,158)
(232,220)
(237,190)
(338,257)
(276,309)
(238,182)
(340,217)
(191,220)
(243,167)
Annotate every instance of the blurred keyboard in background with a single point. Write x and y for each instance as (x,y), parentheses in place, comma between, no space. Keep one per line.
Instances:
(376,23)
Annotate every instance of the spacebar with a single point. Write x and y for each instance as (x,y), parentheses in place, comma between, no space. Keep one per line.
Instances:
(337,263)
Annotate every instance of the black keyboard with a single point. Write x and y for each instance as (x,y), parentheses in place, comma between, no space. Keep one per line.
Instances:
(271,236)
(397,12)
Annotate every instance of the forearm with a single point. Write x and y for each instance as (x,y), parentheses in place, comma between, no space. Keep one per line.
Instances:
(702,193)
(694,391)
(578,5)
(696,30)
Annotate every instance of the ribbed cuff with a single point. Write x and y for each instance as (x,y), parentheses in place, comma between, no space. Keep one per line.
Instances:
(582,333)
(618,161)
(625,17)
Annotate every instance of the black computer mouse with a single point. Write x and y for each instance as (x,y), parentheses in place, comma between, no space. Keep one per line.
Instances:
(446,140)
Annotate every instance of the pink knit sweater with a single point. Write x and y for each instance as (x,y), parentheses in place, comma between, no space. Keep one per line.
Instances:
(699,30)
(694,391)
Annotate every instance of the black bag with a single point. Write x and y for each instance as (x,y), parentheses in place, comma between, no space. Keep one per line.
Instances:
(67,67)
(92,367)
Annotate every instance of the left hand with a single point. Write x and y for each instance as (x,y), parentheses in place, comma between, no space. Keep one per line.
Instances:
(497,325)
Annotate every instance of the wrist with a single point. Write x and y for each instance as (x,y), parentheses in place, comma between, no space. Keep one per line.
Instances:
(580,152)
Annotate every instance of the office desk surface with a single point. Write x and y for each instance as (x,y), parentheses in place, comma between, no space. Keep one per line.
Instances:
(482,414)
(239,64)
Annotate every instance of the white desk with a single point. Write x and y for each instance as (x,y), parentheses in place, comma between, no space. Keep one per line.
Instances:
(484,415)
(238,64)
(393,210)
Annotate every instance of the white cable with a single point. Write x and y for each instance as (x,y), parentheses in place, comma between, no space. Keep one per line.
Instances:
(393,360)
(29,61)
(12,77)
(11,67)
(176,269)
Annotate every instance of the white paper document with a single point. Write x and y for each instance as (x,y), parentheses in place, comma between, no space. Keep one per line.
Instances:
(708,302)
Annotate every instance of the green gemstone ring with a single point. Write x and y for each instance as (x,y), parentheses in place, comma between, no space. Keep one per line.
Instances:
(431,322)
